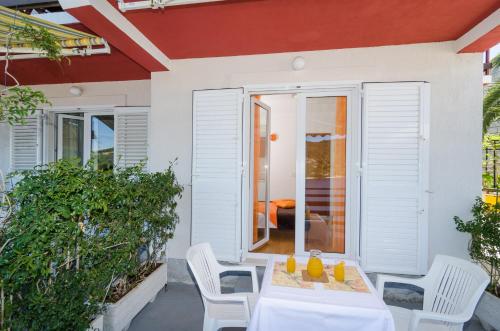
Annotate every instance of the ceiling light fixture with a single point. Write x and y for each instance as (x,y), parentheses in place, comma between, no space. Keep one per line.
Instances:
(298,63)
(76,91)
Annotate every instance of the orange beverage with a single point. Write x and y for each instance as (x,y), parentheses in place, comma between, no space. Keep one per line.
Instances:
(290,264)
(315,265)
(339,271)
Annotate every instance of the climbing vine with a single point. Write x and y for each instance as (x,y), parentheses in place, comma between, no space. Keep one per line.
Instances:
(18,102)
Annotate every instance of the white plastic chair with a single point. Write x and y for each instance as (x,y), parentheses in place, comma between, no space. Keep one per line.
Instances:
(221,310)
(452,289)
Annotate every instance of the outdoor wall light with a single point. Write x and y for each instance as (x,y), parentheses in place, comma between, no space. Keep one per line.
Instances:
(76,91)
(298,63)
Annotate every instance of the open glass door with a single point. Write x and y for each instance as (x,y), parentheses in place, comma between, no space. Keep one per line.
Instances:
(322,177)
(70,137)
(260,169)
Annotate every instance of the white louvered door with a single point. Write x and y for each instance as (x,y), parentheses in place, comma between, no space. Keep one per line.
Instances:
(395,175)
(131,136)
(216,171)
(26,144)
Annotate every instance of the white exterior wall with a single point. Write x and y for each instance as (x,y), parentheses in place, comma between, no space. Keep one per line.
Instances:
(456,101)
(128,93)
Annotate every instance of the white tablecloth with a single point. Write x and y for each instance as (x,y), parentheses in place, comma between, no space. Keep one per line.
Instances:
(297,309)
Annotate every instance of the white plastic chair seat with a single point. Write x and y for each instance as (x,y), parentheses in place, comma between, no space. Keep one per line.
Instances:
(402,319)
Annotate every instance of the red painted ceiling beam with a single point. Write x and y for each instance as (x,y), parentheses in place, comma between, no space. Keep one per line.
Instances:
(101,25)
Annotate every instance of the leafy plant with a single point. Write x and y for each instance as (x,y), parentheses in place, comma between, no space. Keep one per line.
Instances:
(491,101)
(76,239)
(491,154)
(40,39)
(484,245)
(20,102)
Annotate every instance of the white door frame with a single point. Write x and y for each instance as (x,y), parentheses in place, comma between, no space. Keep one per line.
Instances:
(251,173)
(353,167)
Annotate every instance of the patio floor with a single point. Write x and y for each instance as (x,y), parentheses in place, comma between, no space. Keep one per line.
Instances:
(180,307)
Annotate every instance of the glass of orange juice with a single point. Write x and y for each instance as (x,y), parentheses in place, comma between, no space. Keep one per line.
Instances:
(339,271)
(290,264)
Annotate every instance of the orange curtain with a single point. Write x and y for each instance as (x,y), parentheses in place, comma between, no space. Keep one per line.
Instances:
(339,172)
(340,130)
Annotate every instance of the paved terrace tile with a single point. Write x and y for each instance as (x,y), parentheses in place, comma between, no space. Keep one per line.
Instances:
(179,307)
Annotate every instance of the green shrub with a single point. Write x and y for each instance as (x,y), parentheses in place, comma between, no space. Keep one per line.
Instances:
(75,238)
(484,245)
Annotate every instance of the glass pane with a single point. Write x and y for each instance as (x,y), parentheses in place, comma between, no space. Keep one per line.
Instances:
(325,174)
(102,141)
(261,167)
(72,139)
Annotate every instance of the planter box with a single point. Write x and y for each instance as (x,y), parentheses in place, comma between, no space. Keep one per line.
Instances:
(487,311)
(118,316)
(97,324)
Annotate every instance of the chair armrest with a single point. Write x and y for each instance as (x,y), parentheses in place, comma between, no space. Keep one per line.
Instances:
(231,299)
(419,315)
(382,279)
(251,269)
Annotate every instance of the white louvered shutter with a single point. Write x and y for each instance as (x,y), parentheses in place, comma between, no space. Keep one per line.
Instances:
(26,144)
(216,172)
(131,136)
(395,175)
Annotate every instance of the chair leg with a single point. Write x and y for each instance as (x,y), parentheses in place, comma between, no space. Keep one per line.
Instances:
(209,324)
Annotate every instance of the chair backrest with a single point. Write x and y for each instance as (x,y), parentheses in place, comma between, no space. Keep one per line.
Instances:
(203,264)
(454,286)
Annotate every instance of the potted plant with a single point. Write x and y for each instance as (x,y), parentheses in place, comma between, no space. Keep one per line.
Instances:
(79,242)
(150,198)
(484,248)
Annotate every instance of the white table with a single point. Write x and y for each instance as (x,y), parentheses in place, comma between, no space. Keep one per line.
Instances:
(297,309)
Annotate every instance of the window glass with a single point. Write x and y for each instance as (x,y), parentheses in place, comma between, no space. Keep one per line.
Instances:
(102,141)
(72,138)
(325,174)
